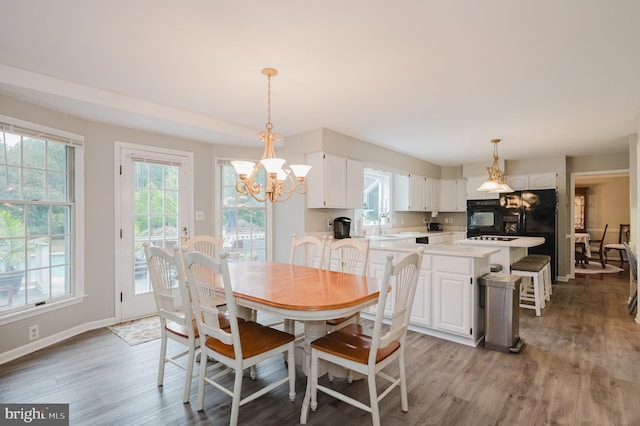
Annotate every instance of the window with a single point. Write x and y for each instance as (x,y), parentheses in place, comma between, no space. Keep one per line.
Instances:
(243,219)
(38,217)
(377,194)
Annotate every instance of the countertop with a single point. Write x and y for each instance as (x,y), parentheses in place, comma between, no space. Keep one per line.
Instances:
(437,249)
(517,242)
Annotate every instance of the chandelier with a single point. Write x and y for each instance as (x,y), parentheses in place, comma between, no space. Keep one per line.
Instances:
(495,181)
(279,183)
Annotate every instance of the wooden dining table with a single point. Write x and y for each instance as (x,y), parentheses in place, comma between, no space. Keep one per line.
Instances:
(309,295)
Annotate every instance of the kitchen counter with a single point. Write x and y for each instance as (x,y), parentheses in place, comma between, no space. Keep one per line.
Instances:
(507,252)
(525,242)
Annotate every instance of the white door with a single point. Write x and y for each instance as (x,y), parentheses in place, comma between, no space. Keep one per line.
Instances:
(154,193)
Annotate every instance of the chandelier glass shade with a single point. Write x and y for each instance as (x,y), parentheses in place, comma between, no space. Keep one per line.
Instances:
(279,184)
(495,181)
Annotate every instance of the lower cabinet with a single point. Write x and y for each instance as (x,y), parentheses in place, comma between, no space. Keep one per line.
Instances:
(445,303)
(452,303)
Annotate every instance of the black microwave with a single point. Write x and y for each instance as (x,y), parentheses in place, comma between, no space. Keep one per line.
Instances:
(483,217)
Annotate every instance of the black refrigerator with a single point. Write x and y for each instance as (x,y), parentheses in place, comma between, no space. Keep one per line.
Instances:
(533,213)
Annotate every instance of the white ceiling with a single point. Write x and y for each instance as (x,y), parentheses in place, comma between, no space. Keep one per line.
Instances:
(435,79)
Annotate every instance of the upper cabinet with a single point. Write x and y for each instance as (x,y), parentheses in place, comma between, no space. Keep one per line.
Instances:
(453,195)
(415,193)
(334,181)
(532,181)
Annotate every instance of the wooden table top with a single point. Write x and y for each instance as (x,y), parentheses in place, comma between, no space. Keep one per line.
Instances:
(299,288)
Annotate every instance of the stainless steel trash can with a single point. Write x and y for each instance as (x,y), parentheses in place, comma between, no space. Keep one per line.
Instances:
(502,312)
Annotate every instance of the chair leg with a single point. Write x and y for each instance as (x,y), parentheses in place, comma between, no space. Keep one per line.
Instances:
(373,399)
(188,375)
(203,371)
(235,404)
(163,355)
(313,377)
(404,400)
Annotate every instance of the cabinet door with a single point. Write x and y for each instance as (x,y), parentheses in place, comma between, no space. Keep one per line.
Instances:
(461,195)
(335,191)
(326,181)
(448,195)
(518,182)
(355,184)
(416,193)
(452,300)
(542,181)
(401,199)
(421,311)
(431,194)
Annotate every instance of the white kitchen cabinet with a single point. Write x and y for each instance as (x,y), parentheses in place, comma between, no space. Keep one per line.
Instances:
(355,184)
(461,195)
(452,297)
(453,195)
(453,290)
(532,181)
(415,193)
(334,181)
(431,194)
(472,185)
(421,312)
(408,193)
(448,195)
(543,181)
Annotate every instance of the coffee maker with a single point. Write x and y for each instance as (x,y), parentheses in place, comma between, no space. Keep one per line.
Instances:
(341,227)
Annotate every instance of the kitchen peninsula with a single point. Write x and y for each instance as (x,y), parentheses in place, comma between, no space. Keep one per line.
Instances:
(446,301)
(510,249)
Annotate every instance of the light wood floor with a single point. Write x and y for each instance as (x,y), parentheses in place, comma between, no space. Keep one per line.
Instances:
(580,365)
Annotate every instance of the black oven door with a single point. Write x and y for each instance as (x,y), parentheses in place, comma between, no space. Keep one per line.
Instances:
(483,217)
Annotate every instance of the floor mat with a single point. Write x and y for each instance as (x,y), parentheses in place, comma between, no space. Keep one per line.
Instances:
(138,331)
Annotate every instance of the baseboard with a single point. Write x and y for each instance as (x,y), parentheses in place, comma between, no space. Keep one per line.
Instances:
(564,278)
(53,339)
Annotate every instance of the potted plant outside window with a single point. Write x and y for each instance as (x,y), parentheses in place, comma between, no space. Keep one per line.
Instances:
(12,248)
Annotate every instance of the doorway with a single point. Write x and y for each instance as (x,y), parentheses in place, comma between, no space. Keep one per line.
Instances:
(153,198)
(606,200)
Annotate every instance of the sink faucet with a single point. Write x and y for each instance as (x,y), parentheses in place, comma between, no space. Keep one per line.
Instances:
(385,216)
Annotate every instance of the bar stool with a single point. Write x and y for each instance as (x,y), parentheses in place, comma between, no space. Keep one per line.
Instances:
(547,273)
(532,295)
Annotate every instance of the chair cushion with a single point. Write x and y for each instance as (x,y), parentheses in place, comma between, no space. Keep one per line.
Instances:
(254,339)
(614,246)
(353,342)
(527,266)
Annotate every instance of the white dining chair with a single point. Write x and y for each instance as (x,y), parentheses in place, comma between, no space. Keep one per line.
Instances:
(368,351)
(348,255)
(207,244)
(243,345)
(305,251)
(176,322)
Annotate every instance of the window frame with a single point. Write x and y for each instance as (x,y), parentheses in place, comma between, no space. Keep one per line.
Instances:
(219,206)
(386,194)
(77,225)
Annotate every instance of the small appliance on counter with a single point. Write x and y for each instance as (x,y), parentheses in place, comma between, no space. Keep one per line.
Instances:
(435,227)
(341,227)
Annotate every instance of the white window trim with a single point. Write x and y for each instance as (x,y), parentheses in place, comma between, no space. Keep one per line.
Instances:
(78,295)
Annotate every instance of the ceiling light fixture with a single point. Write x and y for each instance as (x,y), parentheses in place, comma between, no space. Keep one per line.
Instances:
(279,184)
(495,181)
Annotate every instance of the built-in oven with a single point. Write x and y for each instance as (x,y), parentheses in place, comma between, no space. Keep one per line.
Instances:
(484,217)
